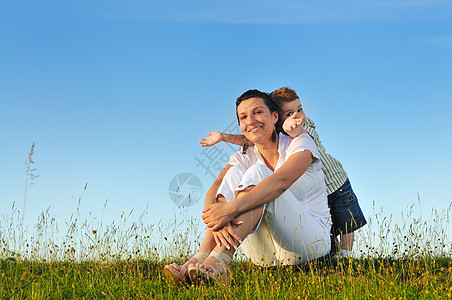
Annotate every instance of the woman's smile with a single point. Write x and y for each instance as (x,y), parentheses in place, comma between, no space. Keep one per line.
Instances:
(255,128)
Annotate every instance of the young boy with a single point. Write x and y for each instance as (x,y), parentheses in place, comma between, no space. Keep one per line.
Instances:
(346,213)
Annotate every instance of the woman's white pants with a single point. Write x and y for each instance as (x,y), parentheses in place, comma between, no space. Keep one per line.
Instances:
(287,233)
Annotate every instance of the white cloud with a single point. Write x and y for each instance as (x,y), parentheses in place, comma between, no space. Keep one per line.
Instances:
(278,12)
(441,41)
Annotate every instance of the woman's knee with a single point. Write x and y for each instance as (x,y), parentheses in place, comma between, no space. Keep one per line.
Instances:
(259,171)
(255,174)
(230,182)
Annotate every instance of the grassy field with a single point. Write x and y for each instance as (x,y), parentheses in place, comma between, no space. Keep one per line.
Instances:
(371,278)
(125,260)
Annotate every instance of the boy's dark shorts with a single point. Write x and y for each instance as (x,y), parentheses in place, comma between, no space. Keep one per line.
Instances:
(345,211)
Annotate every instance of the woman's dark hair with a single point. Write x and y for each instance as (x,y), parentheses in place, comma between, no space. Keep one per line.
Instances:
(265,97)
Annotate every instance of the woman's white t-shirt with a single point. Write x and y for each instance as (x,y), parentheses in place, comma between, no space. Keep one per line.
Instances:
(310,188)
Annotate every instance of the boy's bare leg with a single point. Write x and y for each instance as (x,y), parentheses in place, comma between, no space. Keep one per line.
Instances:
(347,241)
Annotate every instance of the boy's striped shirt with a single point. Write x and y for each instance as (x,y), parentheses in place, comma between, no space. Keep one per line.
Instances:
(335,175)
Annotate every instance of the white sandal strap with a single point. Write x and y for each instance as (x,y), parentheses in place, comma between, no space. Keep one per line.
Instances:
(221,257)
(201,256)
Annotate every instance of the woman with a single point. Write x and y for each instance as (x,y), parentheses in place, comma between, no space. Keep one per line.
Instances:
(274,198)
(345,210)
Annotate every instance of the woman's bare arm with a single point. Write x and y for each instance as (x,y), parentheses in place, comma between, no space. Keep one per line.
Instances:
(211,195)
(270,188)
(227,236)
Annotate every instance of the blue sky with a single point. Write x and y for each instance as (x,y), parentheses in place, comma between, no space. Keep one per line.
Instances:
(118,94)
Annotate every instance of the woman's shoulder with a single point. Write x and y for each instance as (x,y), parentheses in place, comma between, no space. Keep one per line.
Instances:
(287,142)
(284,139)
(302,142)
(303,138)
(244,159)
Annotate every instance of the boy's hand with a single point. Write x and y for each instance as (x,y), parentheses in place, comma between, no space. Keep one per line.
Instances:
(293,126)
(213,138)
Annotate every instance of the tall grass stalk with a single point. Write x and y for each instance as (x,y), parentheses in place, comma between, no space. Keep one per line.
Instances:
(130,237)
(412,237)
(29,179)
(124,259)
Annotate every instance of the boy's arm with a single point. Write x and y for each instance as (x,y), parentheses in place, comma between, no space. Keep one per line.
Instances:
(216,137)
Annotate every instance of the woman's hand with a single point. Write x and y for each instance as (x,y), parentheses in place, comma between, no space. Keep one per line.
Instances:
(213,138)
(217,215)
(227,237)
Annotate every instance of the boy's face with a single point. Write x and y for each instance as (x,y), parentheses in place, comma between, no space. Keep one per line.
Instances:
(290,108)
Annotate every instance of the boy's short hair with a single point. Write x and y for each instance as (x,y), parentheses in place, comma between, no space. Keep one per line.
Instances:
(283,95)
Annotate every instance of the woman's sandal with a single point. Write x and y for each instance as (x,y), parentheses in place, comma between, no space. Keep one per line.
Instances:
(180,277)
(211,275)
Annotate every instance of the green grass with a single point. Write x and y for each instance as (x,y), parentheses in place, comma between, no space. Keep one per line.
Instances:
(125,260)
(372,278)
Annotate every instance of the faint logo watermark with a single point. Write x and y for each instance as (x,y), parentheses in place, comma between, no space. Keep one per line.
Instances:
(185,189)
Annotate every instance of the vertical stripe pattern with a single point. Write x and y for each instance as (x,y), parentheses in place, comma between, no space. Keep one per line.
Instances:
(335,175)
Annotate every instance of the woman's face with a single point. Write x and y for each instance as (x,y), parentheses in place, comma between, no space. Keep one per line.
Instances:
(292,108)
(256,121)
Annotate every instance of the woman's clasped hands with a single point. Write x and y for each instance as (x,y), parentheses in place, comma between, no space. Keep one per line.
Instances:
(219,220)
